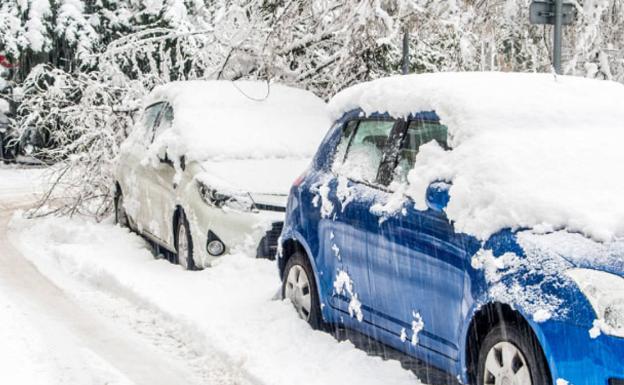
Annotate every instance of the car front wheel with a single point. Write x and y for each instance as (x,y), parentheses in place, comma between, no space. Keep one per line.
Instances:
(511,355)
(184,243)
(299,287)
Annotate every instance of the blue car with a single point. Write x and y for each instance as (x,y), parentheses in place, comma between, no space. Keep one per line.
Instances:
(499,310)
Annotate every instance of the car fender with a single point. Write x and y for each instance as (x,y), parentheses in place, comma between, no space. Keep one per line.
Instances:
(293,235)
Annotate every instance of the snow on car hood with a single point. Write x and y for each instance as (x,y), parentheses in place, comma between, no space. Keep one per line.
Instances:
(268,181)
(528,150)
(577,249)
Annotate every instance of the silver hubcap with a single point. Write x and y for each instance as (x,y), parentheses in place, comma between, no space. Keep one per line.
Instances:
(183,246)
(505,365)
(298,291)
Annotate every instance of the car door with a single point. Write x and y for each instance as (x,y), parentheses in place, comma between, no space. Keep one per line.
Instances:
(160,187)
(418,262)
(134,176)
(352,192)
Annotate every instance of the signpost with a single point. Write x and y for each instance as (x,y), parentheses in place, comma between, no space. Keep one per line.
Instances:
(557,13)
(406,53)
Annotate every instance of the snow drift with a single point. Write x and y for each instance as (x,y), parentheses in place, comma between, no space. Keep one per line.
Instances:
(528,150)
(228,309)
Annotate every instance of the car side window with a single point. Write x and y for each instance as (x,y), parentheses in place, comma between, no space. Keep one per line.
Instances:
(364,149)
(165,121)
(150,116)
(418,132)
(345,139)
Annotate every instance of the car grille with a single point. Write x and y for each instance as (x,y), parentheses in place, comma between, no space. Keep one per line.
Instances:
(268,244)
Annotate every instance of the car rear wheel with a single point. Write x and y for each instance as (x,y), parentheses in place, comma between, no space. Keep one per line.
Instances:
(184,244)
(511,355)
(299,287)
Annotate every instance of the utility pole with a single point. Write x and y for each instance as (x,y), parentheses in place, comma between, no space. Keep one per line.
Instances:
(557,36)
(558,14)
(406,53)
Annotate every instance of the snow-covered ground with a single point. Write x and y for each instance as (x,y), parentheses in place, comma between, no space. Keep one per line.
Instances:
(90,305)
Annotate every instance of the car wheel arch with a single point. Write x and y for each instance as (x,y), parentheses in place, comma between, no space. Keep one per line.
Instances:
(174,222)
(288,248)
(292,245)
(486,317)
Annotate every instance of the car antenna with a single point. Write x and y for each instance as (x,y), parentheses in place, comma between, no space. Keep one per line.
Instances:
(252,98)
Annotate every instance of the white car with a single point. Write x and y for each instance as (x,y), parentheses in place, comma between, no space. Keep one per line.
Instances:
(209,167)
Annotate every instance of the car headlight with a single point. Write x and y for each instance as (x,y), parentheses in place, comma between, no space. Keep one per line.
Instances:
(215,198)
(605,292)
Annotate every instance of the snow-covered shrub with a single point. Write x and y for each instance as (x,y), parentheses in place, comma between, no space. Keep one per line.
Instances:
(83,118)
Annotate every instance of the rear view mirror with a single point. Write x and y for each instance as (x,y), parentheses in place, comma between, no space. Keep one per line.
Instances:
(438,195)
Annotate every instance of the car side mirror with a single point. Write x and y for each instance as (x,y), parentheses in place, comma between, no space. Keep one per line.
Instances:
(438,196)
(169,162)
(165,159)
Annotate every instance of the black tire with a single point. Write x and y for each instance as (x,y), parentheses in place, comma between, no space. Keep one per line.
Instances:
(121,217)
(2,156)
(522,338)
(185,260)
(315,318)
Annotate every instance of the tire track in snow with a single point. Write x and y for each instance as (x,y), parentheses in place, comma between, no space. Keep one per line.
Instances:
(84,344)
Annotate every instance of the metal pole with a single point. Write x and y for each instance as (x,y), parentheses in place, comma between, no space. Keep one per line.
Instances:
(557,36)
(405,53)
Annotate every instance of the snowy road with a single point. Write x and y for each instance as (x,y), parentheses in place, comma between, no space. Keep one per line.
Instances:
(86,303)
(51,337)
(79,347)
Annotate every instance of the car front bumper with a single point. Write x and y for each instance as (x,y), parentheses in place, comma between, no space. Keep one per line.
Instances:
(579,359)
(252,233)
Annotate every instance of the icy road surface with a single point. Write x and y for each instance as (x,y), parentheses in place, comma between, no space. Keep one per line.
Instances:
(86,303)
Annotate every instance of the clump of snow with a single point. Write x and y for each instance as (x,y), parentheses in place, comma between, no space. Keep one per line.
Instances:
(596,329)
(240,120)
(542,315)
(494,266)
(344,193)
(417,326)
(322,196)
(344,285)
(528,150)
(615,326)
(391,207)
(336,250)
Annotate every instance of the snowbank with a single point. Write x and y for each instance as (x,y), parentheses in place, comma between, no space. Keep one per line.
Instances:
(529,150)
(242,120)
(228,308)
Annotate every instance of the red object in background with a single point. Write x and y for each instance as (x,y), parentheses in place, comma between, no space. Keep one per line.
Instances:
(4,61)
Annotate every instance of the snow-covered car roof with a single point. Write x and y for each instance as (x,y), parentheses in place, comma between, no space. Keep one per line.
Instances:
(242,119)
(529,150)
(477,101)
